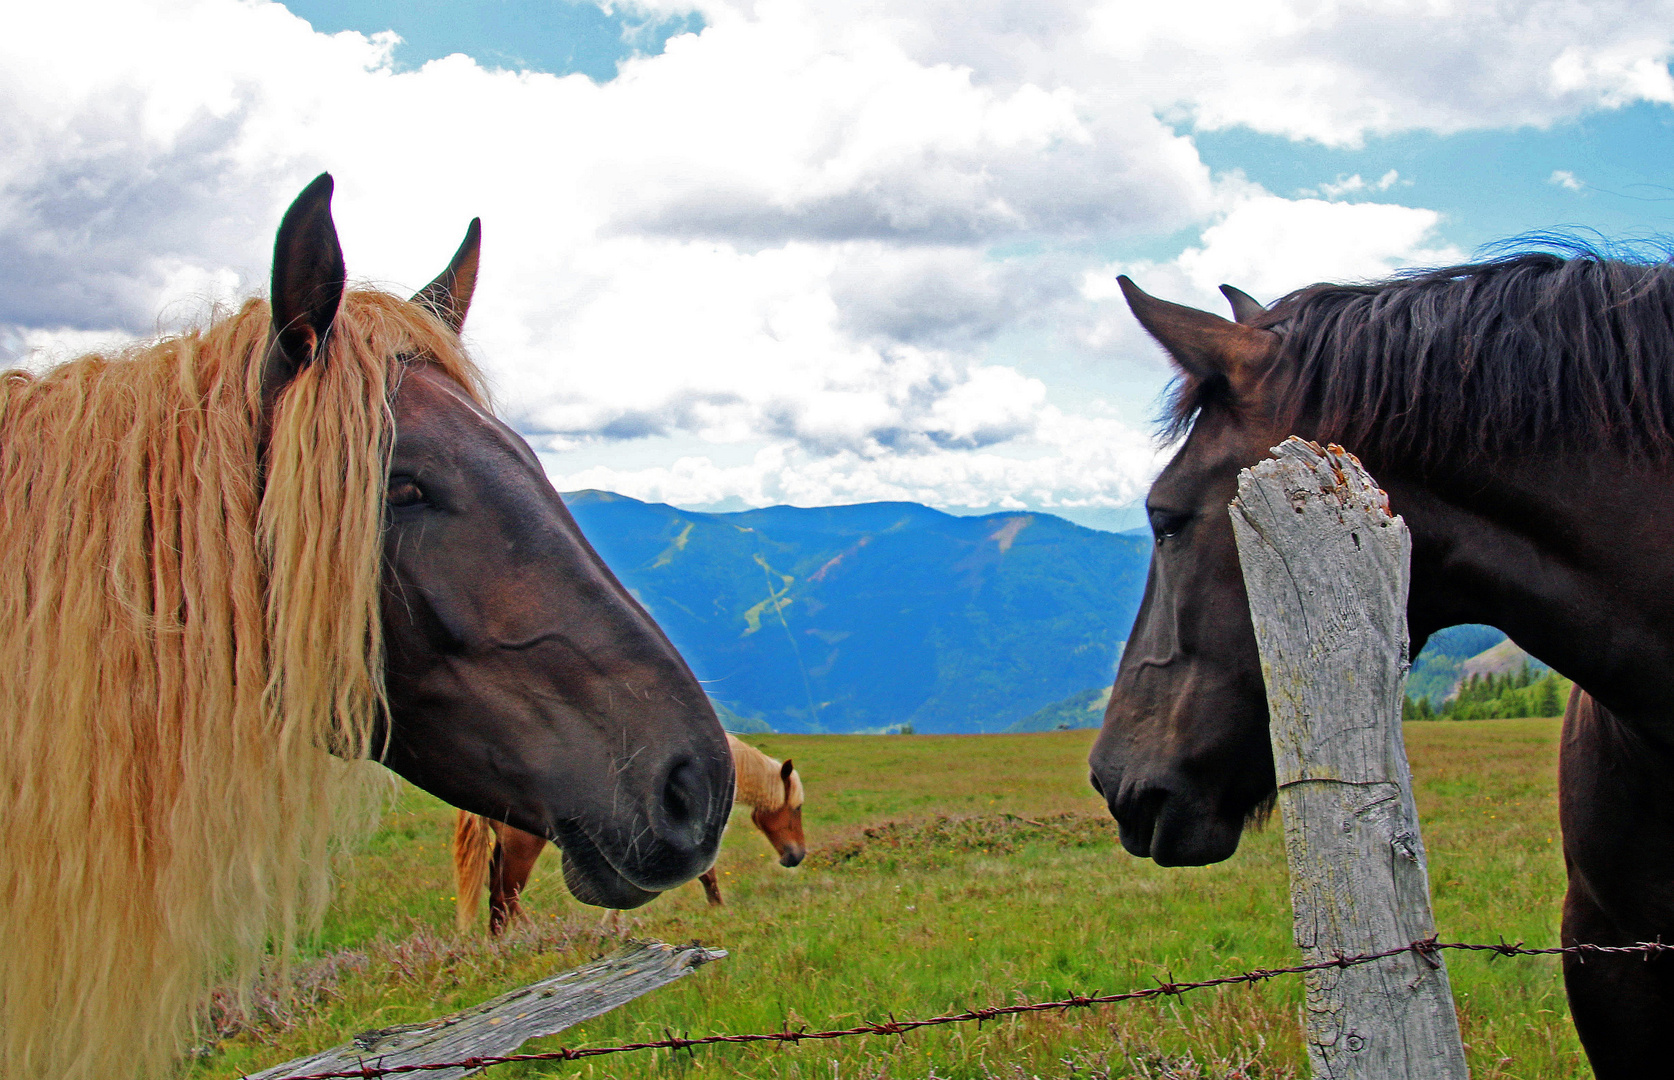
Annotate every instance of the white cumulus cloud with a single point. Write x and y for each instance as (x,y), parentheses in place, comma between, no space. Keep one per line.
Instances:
(1070,462)
(1269,246)
(806,231)
(1567,180)
(1338,71)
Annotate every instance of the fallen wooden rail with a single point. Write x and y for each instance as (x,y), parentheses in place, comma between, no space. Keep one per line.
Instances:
(501,1025)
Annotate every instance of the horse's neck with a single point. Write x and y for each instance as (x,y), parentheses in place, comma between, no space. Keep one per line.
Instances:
(749,797)
(1572,557)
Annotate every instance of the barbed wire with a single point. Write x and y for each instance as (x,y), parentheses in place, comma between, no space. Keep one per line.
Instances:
(1425,949)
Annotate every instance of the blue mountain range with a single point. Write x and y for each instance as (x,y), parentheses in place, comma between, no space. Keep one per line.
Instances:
(879,615)
(873,617)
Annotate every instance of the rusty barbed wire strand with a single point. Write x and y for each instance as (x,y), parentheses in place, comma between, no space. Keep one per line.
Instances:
(1425,949)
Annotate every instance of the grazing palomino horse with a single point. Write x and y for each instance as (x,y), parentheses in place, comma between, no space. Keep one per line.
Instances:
(240,560)
(501,857)
(1520,414)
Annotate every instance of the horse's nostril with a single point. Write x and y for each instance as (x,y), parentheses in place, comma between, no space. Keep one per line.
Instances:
(680,794)
(1093,778)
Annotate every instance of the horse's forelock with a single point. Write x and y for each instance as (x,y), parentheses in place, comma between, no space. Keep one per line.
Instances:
(1187,396)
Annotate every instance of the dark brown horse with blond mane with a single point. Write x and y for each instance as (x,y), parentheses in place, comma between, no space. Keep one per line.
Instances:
(238,561)
(1520,413)
(499,857)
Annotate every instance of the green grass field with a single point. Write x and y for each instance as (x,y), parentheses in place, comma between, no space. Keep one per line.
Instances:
(947,872)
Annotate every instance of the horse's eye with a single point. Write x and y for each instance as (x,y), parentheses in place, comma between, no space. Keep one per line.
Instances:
(404,491)
(1166,523)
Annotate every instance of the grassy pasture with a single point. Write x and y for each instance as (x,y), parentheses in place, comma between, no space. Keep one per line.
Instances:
(947,872)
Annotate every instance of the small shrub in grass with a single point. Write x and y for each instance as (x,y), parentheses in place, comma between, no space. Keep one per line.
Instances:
(937,840)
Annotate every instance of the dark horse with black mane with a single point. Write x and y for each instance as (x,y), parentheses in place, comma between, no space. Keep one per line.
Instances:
(1520,413)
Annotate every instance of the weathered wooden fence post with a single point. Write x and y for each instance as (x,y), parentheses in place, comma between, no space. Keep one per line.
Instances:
(1326,566)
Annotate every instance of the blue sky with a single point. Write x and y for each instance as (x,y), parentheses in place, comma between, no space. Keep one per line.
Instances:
(1492,185)
(740,252)
(553,36)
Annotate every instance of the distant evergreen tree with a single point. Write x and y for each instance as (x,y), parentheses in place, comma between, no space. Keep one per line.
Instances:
(1508,695)
(1550,704)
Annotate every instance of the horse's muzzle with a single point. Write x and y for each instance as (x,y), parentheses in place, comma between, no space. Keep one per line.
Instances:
(676,833)
(1170,824)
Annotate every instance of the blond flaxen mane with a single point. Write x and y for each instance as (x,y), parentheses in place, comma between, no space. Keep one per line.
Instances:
(180,646)
(759,784)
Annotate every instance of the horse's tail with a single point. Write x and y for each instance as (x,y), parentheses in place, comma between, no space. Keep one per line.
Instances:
(473,851)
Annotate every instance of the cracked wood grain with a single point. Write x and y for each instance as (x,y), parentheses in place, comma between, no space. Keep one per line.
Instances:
(501,1025)
(1326,565)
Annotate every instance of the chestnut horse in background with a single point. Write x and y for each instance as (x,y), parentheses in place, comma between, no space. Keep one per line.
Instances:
(1520,414)
(501,856)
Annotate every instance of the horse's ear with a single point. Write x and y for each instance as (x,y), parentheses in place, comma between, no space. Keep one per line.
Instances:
(308,279)
(449,296)
(785,771)
(1202,345)
(1245,307)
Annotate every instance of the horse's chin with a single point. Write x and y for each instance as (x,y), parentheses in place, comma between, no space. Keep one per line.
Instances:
(590,877)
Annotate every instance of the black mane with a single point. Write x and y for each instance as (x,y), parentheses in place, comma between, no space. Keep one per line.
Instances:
(1532,352)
